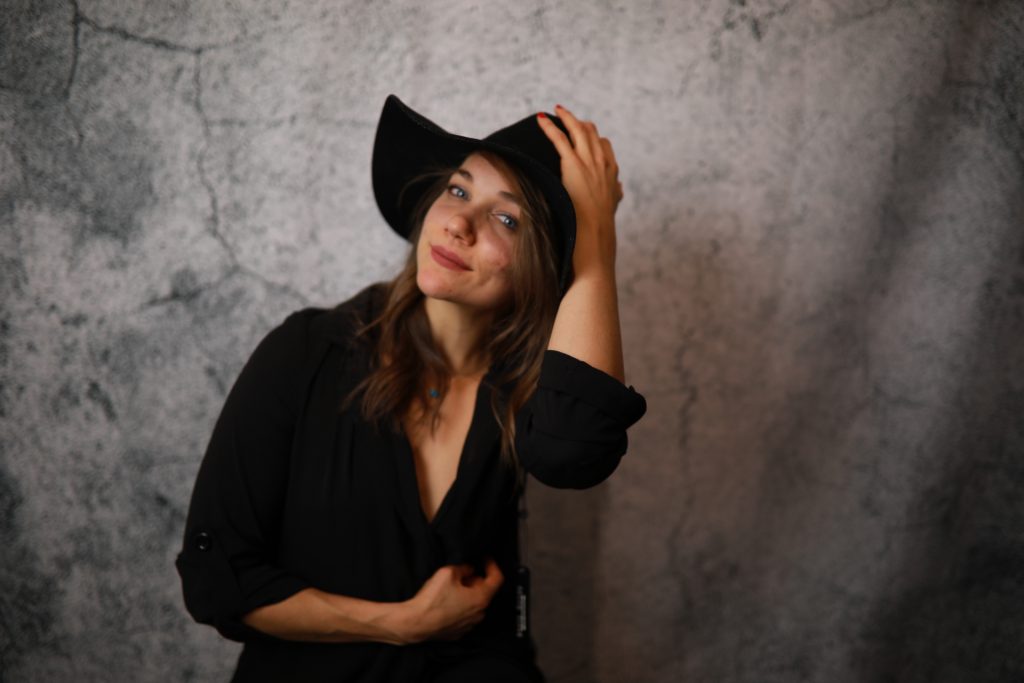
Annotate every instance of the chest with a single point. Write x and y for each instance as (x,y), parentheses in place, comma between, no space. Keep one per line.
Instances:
(438,448)
(363,514)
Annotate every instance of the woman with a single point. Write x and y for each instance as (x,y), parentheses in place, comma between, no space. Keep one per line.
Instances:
(355,515)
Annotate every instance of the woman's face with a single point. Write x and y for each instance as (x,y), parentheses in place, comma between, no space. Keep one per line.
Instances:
(464,253)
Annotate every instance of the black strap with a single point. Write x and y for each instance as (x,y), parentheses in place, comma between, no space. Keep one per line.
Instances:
(523,572)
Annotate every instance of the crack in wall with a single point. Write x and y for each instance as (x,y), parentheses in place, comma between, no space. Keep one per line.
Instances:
(213,224)
(265,124)
(124,34)
(75,124)
(738,13)
(163,44)
(76,22)
(847,22)
(186,289)
(17,91)
(275,286)
(291,119)
(866,14)
(211,371)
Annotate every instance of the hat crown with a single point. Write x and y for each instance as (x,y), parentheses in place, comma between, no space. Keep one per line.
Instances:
(526,137)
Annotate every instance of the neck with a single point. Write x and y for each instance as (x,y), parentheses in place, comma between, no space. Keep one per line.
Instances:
(458,331)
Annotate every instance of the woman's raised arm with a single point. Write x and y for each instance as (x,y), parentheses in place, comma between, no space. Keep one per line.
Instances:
(587,324)
(572,432)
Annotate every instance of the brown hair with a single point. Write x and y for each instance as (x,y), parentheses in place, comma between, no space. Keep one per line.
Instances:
(406,360)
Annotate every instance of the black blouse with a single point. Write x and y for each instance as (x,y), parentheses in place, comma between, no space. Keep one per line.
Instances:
(295,493)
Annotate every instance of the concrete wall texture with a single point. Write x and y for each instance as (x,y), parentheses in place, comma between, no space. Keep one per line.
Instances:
(821,276)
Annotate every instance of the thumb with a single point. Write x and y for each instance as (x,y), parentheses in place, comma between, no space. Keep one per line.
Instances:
(493,577)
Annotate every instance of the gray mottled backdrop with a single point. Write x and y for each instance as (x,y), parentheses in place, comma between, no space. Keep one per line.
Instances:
(822,285)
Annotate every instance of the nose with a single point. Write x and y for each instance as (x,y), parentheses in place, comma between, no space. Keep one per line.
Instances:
(460,226)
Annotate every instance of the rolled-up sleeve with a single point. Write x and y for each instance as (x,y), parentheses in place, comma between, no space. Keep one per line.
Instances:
(572,431)
(227,561)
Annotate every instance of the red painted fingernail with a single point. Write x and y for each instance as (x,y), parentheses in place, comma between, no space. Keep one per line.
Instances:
(558,106)
(542,115)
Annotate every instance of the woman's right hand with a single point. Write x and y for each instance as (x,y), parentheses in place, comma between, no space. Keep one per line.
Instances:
(452,601)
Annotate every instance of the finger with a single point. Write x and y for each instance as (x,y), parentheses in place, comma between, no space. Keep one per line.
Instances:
(580,136)
(609,155)
(593,143)
(598,147)
(579,132)
(493,577)
(555,134)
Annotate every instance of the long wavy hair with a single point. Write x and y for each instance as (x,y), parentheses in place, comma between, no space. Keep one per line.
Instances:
(407,362)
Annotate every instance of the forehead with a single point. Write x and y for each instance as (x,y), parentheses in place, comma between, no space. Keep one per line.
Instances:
(492,170)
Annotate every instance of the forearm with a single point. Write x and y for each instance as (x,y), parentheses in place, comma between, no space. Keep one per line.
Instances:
(587,323)
(314,615)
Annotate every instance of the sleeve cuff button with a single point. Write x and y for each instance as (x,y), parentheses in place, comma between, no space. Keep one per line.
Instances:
(203,541)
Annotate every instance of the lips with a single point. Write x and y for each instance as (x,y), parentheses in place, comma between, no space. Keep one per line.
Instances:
(448,259)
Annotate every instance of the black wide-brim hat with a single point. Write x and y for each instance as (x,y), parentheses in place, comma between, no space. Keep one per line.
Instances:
(408,144)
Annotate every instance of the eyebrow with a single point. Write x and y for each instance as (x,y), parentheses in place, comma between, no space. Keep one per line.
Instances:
(507,195)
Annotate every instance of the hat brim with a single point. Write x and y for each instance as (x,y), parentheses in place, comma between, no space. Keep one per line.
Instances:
(407,145)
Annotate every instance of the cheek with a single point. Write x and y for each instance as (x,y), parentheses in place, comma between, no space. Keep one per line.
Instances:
(427,277)
(499,257)
(431,215)
(422,254)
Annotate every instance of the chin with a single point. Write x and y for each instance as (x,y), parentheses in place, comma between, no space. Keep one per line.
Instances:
(432,285)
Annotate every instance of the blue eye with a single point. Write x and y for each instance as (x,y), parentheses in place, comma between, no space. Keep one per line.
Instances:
(457,191)
(510,223)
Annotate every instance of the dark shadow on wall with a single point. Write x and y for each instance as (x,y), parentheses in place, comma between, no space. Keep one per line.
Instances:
(958,616)
(955,613)
(562,541)
(29,615)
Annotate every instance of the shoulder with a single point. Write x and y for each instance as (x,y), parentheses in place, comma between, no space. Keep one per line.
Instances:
(305,330)
(311,326)
(290,353)
(339,325)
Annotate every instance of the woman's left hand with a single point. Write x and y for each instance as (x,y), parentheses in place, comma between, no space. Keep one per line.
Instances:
(590,174)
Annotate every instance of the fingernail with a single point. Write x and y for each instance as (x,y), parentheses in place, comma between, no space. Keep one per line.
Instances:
(542,115)
(558,106)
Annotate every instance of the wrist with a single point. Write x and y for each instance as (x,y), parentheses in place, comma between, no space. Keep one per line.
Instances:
(594,274)
(404,621)
(590,256)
